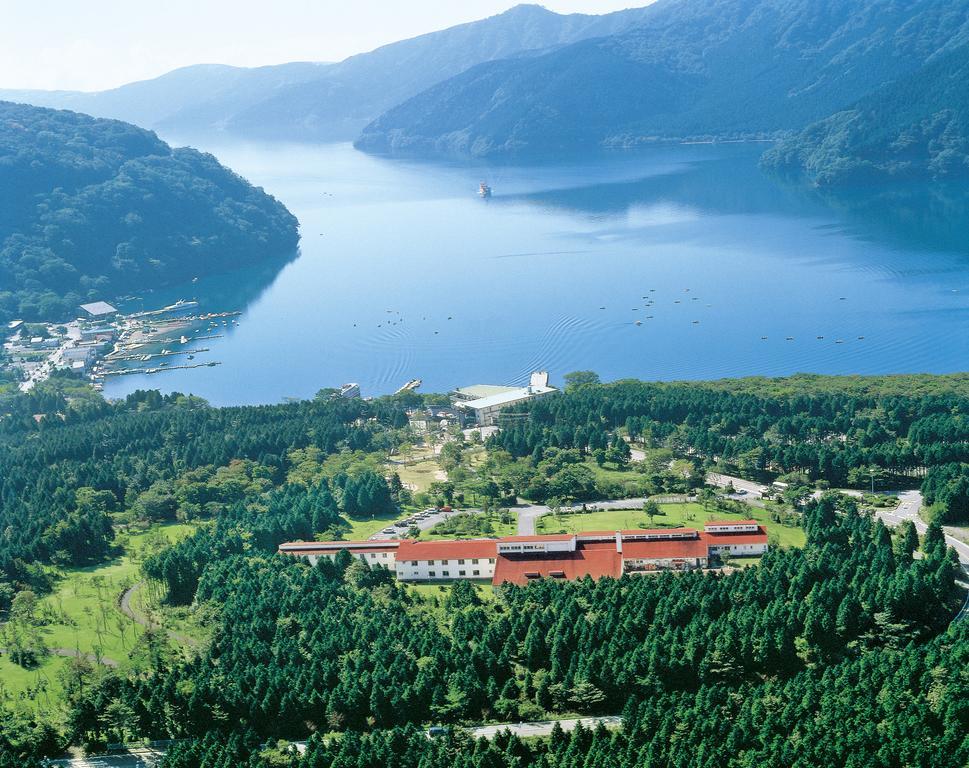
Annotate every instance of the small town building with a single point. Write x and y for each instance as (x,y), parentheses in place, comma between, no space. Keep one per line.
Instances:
(99,309)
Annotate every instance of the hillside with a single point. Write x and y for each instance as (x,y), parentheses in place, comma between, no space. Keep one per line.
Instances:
(328,101)
(90,208)
(918,126)
(731,69)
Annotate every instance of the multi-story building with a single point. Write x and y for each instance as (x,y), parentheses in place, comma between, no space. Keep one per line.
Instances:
(520,559)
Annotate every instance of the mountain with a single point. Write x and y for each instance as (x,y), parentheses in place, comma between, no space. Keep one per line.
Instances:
(915,127)
(193,98)
(690,69)
(329,101)
(90,208)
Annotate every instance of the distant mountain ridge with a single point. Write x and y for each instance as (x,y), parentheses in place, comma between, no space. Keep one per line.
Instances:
(307,101)
(725,69)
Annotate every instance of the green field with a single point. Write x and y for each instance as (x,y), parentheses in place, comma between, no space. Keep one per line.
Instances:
(440,589)
(364,529)
(674,515)
(498,529)
(419,475)
(81,614)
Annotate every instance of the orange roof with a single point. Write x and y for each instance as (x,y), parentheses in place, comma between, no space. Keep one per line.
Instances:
(446,550)
(542,537)
(731,522)
(682,532)
(664,549)
(716,539)
(520,569)
(315,547)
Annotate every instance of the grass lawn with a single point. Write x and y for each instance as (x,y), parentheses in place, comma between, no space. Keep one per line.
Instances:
(440,589)
(674,515)
(361,529)
(498,529)
(419,475)
(40,687)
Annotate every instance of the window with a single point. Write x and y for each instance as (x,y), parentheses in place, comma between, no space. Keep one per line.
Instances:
(431,573)
(460,562)
(414,563)
(476,572)
(384,555)
(474,561)
(491,560)
(445,573)
(462,573)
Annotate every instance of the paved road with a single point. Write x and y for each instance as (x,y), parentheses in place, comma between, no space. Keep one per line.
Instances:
(424,524)
(910,502)
(722,481)
(148,758)
(141,759)
(543,728)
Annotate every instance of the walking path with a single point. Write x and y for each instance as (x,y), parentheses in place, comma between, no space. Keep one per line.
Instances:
(125,606)
(74,653)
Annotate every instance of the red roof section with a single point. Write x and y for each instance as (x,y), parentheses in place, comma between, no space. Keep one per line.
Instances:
(663,549)
(316,547)
(541,537)
(520,569)
(731,522)
(683,532)
(446,550)
(724,539)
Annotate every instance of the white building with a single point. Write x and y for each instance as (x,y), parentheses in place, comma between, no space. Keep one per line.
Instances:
(743,538)
(485,410)
(383,552)
(437,560)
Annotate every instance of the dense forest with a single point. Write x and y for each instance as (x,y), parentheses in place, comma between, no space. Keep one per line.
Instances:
(916,127)
(843,432)
(296,650)
(90,209)
(836,654)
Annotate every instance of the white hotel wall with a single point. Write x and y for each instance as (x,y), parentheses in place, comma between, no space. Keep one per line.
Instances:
(462,568)
(386,559)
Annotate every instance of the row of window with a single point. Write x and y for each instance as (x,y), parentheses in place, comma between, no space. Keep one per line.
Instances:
(491,561)
(447,574)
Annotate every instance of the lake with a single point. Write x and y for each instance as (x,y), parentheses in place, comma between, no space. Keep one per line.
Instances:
(679,262)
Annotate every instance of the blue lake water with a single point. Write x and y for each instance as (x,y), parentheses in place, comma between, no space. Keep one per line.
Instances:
(404,272)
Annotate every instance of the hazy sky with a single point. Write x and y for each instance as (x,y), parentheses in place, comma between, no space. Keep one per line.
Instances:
(96,44)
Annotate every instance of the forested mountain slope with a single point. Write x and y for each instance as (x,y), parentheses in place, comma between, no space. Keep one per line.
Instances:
(735,68)
(91,208)
(916,127)
(329,101)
